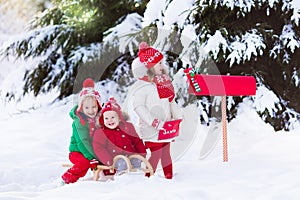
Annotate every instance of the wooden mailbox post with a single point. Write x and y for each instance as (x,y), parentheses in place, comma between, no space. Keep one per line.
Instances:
(221,85)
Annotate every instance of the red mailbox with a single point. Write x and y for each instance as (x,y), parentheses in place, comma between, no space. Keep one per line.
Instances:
(221,85)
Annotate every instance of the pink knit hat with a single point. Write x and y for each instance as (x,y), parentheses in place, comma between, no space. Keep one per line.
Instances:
(148,55)
(88,90)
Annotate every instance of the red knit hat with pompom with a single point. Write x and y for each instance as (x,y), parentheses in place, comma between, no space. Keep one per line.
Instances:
(88,90)
(148,55)
(88,83)
(111,105)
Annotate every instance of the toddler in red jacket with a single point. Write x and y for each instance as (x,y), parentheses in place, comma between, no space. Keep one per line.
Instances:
(116,137)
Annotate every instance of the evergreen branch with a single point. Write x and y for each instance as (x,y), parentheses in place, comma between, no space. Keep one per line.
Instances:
(37,43)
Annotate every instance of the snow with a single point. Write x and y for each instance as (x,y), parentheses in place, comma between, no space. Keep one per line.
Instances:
(215,43)
(131,24)
(288,38)
(153,12)
(262,164)
(296,15)
(265,99)
(175,15)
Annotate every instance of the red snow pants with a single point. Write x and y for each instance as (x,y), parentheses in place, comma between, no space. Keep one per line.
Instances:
(79,169)
(161,151)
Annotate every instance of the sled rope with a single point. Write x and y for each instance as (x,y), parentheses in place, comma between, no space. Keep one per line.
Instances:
(224,126)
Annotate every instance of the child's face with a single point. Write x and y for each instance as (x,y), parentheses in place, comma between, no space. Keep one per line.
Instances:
(159,68)
(111,119)
(90,107)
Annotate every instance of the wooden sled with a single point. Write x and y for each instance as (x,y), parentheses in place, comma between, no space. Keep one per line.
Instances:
(96,172)
(147,169)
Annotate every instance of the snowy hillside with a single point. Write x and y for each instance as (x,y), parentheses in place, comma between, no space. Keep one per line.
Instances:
(262,164)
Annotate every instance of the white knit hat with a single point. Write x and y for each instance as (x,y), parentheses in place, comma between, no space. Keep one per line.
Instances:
(139,69)
(88,90)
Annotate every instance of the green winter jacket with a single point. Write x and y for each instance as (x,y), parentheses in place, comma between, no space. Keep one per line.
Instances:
(80,139)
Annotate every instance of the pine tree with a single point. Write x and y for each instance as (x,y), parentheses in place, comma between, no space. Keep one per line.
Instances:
(269,39)
(66,36)
(259,38)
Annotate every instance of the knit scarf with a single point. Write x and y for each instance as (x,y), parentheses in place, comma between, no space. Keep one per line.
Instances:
(164,86)
(92,126)
(91,122)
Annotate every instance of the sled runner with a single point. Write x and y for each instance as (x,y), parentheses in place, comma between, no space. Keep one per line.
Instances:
(145,167)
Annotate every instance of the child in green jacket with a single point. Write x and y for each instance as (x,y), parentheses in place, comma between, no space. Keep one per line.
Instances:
(81,152)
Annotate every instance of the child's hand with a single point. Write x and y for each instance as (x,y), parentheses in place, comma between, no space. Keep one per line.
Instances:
(157,124)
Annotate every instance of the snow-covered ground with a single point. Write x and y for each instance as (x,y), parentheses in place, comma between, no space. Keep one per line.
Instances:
(263,164)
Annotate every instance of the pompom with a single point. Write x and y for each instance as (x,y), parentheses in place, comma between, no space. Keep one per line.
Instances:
(114,103)
(148,55)
(112,100)
(143,46)
(88,83)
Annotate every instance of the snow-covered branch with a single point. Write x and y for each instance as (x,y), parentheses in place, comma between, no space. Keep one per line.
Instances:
(249,44)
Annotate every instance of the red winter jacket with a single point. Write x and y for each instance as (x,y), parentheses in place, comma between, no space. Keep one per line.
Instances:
(107,143)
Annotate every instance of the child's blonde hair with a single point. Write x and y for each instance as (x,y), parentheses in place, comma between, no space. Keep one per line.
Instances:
(88,90)
(151,73)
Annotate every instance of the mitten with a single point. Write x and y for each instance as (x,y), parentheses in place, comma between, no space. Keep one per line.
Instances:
(157,124)
(93,164)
